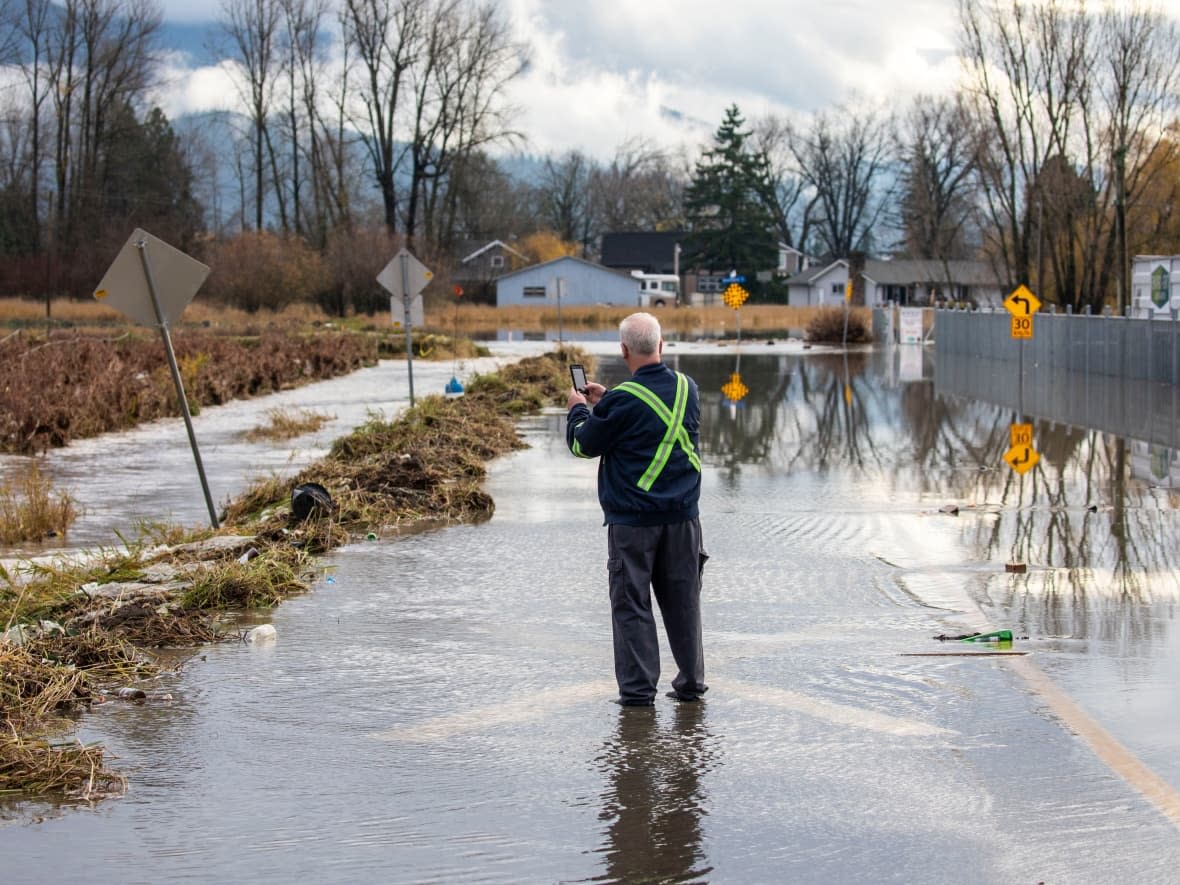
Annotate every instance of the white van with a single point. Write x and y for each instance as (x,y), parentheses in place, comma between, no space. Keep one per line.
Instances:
(657,289)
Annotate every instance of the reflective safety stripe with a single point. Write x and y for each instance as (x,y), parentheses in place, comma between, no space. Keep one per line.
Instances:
(675,434)
(577,450)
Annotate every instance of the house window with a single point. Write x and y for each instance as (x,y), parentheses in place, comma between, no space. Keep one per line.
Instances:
(534,291)
(497,260)
(838,289)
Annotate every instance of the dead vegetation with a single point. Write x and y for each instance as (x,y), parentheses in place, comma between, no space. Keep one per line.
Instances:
(73,631)
(835,325)
(31,509)
(282,425)
(70,386)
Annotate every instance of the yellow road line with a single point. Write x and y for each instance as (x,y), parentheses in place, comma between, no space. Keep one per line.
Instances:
(1105,746)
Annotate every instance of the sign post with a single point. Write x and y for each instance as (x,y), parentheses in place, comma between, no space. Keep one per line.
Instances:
(405,277)
(1022,304)
(735,296)
(129,286)
(559,294)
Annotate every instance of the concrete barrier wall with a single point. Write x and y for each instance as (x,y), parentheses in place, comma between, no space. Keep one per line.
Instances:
(1117,347)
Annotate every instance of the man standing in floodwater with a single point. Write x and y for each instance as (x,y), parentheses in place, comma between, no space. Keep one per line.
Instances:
(645,433)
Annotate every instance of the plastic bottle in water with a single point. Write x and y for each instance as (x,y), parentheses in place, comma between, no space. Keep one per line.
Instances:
(994,636)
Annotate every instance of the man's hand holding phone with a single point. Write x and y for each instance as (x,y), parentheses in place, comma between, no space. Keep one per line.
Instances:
(585,392)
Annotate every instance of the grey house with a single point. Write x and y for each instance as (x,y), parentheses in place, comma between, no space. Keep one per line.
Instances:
(902,281)
(481,265)
(582,282)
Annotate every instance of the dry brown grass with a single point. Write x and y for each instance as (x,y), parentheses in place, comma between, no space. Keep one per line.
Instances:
(33,692)
(18,312)
(281,425)
(442,318)
(69,385)
(30,508)
(482,321)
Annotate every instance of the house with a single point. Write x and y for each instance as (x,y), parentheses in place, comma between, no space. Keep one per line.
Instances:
(712,282)
(482,264)
(819,286)
(902,281)
(658,252)
(925,282)
(582,282)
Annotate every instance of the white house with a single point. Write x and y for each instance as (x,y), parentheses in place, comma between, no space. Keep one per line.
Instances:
(902,281)
(582,282)
(819,286)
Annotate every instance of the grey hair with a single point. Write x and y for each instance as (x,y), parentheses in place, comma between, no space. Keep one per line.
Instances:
(641,333)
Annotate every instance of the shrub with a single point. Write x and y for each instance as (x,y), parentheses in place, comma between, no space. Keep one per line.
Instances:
(827,327)
(257,269)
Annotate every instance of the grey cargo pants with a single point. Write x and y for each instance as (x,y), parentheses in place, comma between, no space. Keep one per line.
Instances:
(666,559)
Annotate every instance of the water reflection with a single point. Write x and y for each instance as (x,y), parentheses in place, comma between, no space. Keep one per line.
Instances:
(653,802)
(1096,503)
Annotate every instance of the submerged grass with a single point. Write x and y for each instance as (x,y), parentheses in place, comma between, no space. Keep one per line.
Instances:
(32,509)
(282,425)
(71,628)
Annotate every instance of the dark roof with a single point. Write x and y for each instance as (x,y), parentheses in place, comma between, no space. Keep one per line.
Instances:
(903,272)
(649,251)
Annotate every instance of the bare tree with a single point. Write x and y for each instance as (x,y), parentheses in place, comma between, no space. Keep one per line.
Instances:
(252,27)
(1071,109)
(100,59)
(937,177)
(639,189)
(1138,96)
(459,106)
(845,158)
(563,196)
(388,37)
(32,26)
(788,198)
(1027,71)
(302,65)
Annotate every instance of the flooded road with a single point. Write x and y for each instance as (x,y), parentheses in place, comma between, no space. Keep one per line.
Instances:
(439,711)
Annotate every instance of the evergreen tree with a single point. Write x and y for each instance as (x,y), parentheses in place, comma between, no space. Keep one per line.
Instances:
(147,181)
(730,227)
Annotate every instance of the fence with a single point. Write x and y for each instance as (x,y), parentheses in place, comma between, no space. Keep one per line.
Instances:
(1114,374)
(1119,347)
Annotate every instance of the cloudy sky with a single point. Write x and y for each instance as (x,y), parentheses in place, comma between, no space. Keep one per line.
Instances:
(605,71)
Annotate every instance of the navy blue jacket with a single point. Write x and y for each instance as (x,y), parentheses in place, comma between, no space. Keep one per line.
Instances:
(623,432)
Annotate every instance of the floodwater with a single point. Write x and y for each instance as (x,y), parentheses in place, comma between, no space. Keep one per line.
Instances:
(437,709)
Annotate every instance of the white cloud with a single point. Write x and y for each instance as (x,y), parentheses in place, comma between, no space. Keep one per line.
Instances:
(188,90)
(601,74)
(665,70)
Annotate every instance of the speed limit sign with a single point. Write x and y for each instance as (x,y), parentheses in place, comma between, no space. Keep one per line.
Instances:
(1022,327)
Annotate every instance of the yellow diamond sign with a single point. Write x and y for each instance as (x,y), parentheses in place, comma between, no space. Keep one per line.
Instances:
(734,296)
(734,389)
(1022,303)
(1022,459)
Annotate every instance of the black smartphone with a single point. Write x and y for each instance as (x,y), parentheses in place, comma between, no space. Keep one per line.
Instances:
(579,376)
